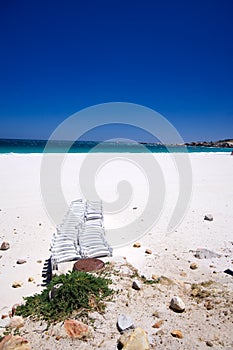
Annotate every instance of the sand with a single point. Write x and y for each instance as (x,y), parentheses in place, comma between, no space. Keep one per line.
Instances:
(26,225)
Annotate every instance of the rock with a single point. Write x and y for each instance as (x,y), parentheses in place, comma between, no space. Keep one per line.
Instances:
(5,246)
(177,304)
(17,284)
(13,310)
(203,253)
(177,334)
(11,342)
(16,322)
(137,340)
(39,261)
(54,290)
(134,208)
(154,277)
(21,261)
(208,305)
(208,217)
(148,251)
(193,266)
(158,324)
(209,343)
(76,329)
(183,274)
(124,322)
(136,285)
(137,245)
(30,279)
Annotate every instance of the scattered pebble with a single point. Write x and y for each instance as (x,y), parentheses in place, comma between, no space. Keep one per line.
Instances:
(203,253)
(136,285)
(209,343)
(158,324)
(177,304)
(137,245)
(40,224)
(14,342)
(17,284)
(138,339)
(183,274)
(154,277)
(208,217)
(148,251)
(5,246)
(124,322)
(4,316)
(177,334)
(39,261)
(30,279)
(134,208)
(21,261)
(193,266)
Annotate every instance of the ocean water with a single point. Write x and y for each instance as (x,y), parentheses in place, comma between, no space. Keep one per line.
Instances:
(38,146)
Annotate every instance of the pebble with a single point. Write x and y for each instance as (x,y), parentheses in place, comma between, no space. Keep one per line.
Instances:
(16,322)
(203,253)
(39,261)
(137,245)
(21,261)
(154,277)
(209,343)
(177,334)
(183,274)
(30,279)
(17,284)
(148,251)
(76,329)
(177,304)
(208,217)
(124,322)
(138,339)
(193,266)
(158,324)
(5,246)
(136,285)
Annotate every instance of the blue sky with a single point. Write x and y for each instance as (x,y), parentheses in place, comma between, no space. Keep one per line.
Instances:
(58,57)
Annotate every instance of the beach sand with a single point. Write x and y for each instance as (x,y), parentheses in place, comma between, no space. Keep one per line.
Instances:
(25,224)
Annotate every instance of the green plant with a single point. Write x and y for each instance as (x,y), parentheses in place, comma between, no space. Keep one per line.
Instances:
(79,292)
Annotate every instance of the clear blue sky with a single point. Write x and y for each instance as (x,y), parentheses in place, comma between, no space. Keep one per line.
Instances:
(57,57)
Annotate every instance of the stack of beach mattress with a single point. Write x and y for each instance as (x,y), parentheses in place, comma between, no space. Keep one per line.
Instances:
(81,234)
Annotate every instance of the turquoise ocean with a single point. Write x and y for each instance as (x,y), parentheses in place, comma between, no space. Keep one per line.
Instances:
(38,146)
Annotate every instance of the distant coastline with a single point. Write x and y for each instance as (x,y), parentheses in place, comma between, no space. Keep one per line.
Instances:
(227,143)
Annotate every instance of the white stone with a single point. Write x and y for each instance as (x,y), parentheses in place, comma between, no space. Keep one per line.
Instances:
(177,304)
(124,322)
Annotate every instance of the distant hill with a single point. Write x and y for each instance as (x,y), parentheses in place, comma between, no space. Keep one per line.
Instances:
(227,143)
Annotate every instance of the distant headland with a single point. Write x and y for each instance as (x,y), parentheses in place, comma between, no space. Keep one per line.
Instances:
(227,143)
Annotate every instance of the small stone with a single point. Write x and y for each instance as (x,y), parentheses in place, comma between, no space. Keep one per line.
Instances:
(21,261)
(208,217)
(177,334)
(4,316)
(124,322)
(134,208)
(17,284)
(154,277)
(137,340)
(16,322)
(39,261)
(158,324)
(209,343)
(76,329)
(13,310)
(148,251)
(40,224)
(30,279)
(177,304)
(137,245)
(136,285)
(193,266)
(155,314)
(5,246)
(10,342)
(208,305)
(183,274)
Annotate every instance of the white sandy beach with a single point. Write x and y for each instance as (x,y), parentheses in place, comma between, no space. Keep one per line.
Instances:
(24,223)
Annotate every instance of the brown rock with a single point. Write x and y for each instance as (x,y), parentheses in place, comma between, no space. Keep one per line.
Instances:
(193,266)
(21,261)
(88,265)
(183,274)
(209,343)
(208,305)
(11,342)
(76,329)
(137,245)
(148,251)
(158,324)
(177,334)
(5,246)
(137,340)
(13,310)
(30,279)
(17,284)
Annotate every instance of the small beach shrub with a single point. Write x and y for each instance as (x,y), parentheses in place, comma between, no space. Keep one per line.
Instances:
(79,292)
